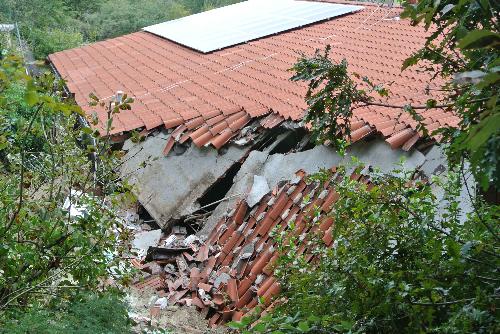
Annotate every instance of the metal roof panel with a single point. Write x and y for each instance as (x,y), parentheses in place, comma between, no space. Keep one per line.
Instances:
(245,21)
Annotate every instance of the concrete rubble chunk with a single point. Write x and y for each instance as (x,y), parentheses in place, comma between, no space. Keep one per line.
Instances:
(191,239)
(169,187)
(247,251)
(169,268)
(259,189)
(162,303)
(205,297)
(221,279)
(143,240)
(170,241)
(152,267)
(182,265)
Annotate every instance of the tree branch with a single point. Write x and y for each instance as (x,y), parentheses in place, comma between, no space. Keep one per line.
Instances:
(23,157)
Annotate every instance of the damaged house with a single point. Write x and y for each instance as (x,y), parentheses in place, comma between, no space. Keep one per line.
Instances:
(225,154)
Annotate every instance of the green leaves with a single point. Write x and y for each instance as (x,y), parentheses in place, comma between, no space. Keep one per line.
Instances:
(464,50)
(43,160)
(397,266)
(478,39)
(330,96)
(31,98)
(481,132)
(243,323)
(303,326)
(87,313)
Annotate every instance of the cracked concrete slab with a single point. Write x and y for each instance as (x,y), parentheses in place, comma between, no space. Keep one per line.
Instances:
(259,189)
(169,187)
(280,167)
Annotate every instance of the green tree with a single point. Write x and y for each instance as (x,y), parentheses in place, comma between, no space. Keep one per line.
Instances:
(45,25)
(119,17)
(54,25)
(59,236)
(465,44)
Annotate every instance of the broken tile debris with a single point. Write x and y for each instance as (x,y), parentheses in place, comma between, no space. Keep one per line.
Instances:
(228,272)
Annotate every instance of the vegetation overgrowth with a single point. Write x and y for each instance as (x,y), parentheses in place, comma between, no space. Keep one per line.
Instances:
(61,243)
(405,260)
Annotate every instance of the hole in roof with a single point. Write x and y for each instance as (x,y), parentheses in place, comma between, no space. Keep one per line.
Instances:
(245,21)
(146,218)
(217,191)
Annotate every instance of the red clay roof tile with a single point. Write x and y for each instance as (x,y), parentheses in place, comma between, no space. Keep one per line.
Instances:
(174,85)
(253,277)
(222,139)
(272,292)
(153,281)
(232,290)
(398,139)
(245,299)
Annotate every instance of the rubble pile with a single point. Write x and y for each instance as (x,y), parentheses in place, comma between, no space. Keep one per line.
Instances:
(226,275)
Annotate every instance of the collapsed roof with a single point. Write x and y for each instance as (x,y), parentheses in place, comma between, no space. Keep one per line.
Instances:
(209,97)
(212,98)
(228,273)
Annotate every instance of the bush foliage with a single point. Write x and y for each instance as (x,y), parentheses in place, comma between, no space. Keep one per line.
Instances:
(399,264)
(86,314)
(59,235)
(404,261)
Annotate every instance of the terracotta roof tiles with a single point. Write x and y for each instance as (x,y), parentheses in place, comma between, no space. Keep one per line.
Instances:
(237,262)
(174,85)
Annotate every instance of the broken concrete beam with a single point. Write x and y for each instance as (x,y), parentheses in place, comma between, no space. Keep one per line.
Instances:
(282,167)
(169,187)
